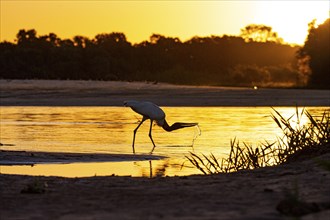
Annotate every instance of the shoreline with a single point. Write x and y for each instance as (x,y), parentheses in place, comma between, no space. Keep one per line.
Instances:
(250,194)
(113,93)
(11,157)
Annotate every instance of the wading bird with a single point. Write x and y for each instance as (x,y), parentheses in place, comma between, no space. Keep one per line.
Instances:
(149,110)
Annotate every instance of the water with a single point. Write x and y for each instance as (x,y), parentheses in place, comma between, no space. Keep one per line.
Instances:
(110,130)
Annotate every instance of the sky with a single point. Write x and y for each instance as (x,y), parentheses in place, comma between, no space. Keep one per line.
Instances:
(138,20)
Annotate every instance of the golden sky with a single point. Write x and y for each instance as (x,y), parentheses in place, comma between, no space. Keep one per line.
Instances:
(138,20)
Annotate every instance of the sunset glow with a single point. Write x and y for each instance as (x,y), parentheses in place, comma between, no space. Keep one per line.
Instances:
(138,20)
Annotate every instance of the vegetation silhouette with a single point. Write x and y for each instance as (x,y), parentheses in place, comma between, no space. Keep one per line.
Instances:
(299,141)
(315,55)
(260,33)
(257,57)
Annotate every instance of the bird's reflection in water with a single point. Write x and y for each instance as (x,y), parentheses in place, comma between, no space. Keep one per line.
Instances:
(158,171)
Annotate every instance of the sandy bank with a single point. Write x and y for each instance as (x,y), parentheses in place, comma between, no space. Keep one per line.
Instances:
(109,93)
(242,195)
(31,158)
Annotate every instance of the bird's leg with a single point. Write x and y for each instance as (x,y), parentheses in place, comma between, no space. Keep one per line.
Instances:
(135,130)
(150,169)
(151,121)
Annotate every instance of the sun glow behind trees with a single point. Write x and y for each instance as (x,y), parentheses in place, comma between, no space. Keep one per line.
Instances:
(290,18)
(140,19)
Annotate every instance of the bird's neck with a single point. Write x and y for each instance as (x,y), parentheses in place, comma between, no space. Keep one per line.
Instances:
(166,127)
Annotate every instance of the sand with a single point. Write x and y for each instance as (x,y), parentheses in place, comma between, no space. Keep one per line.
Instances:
(109,93)
(32,158)
(257,194)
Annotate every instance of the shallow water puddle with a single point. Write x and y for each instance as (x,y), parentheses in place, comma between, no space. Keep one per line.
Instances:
(126,168)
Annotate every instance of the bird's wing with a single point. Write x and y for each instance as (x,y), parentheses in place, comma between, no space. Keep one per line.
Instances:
(152,111)
(147,109)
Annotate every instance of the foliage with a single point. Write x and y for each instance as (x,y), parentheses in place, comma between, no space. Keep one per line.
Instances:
(300,136)
(316,53)
(214,60)
(260,33)
(298,139)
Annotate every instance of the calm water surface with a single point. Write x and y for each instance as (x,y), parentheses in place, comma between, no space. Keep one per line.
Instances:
(110,130)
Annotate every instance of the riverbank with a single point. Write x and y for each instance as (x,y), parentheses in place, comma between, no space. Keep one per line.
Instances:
(299,188)
(258,194)
(113,93)
(32,157)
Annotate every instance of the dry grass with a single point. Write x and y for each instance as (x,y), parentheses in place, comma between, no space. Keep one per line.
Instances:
(299,140)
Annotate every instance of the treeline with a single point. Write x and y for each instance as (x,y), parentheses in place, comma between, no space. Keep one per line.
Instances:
(314,56)
(215,60)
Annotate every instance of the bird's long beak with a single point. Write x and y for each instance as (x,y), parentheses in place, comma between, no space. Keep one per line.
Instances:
(185,125)
(177,125)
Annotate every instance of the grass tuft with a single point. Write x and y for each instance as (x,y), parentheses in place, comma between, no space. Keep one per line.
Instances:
(299,140)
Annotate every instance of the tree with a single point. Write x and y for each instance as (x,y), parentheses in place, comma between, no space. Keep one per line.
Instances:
(215,60)
(24,36)
(112,40)
(259,33)
(317,52)
(80,41)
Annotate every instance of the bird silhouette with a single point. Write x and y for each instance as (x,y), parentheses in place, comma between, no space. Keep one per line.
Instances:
(151,111)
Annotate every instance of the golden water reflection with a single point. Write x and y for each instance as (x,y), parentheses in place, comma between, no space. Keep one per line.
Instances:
(155,168)
(110,130)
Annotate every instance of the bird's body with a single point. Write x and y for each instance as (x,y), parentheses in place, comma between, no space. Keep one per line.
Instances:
(148,110)
(153,112)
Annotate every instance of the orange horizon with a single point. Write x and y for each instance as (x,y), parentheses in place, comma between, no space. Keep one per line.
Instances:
(138,20)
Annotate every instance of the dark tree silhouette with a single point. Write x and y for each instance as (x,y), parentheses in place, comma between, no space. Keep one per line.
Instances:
(260,33)
(25,37)
(214,60)
(317,52)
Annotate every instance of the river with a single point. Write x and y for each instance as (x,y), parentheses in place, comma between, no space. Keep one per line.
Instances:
(110,130)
